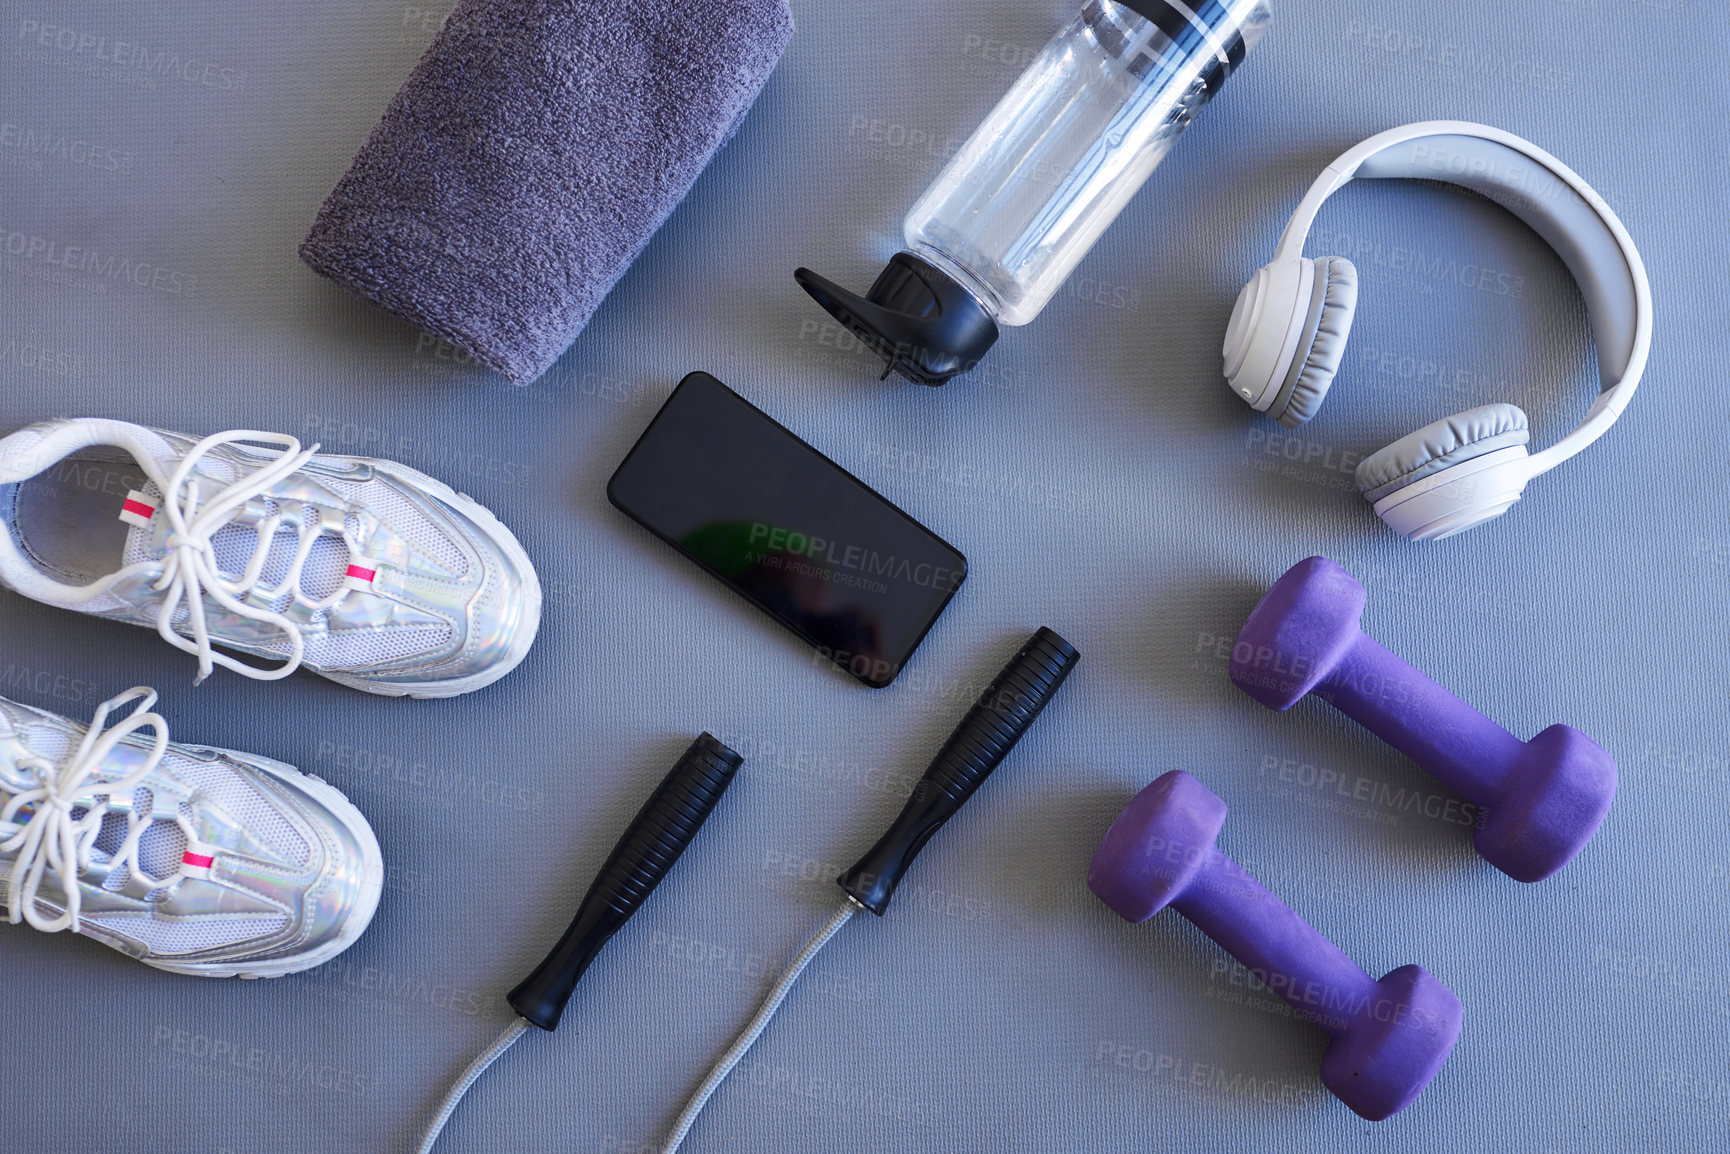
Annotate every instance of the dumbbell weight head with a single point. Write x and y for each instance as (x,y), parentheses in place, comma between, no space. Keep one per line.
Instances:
(1560,791)
(1298,632)
(1395,1045)
(1155,846)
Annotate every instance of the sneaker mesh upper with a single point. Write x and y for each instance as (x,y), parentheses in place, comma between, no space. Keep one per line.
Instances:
(160,848)
(391,506)
(243,804)
(322,574)
(161,845)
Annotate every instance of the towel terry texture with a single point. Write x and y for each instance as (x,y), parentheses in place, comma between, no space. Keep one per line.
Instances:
(530,156)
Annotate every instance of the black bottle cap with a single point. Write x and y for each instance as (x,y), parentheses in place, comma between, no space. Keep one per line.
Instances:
(1181,31)
(1169,20)
(916,317)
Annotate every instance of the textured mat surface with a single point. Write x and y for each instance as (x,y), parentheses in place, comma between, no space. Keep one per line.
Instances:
(158,167)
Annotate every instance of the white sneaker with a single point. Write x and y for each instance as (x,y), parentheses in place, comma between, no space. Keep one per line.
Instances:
(364,570)
(200,861)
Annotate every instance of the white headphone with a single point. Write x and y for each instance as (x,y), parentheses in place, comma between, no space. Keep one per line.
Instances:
(1288,330)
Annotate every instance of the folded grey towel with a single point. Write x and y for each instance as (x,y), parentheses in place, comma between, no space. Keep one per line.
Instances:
(530,156)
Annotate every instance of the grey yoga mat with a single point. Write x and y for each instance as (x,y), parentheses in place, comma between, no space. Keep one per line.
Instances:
(530,156)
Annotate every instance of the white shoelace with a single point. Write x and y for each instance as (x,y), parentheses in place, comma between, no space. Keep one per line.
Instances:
(50,838)
(189,571)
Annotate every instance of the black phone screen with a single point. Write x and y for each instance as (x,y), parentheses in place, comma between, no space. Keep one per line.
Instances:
(787,528)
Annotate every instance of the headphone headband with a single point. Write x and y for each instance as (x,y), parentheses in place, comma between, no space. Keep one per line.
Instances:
(1558,205)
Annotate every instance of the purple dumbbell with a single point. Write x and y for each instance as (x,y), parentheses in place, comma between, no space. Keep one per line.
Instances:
(1389,1037)
(1541,800)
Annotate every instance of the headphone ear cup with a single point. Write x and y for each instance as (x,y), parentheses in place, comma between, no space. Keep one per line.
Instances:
(1267,322)
(1322,346)
(1439,445)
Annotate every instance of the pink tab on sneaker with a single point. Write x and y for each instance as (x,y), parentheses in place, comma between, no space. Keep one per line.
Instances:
(359,576)
(196,863)
(137,509)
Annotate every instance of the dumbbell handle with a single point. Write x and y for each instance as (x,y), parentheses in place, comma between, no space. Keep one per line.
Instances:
(1292,957)
(1387,695)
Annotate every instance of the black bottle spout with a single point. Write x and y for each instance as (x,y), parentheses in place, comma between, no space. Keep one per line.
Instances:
(916,317)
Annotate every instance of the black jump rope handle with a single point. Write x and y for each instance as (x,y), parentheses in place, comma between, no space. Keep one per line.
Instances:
(989,731)
(653,842)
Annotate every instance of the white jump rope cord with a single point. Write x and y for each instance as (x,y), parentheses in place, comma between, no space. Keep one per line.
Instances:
(712,1082)
(753,1029)
(466,1079)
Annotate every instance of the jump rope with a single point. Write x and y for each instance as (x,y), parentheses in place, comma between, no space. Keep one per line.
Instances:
(679,806)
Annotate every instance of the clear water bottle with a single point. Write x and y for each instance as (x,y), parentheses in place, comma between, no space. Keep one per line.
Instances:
(1015,210)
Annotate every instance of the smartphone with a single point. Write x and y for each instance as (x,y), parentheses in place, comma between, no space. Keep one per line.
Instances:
(788,529)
